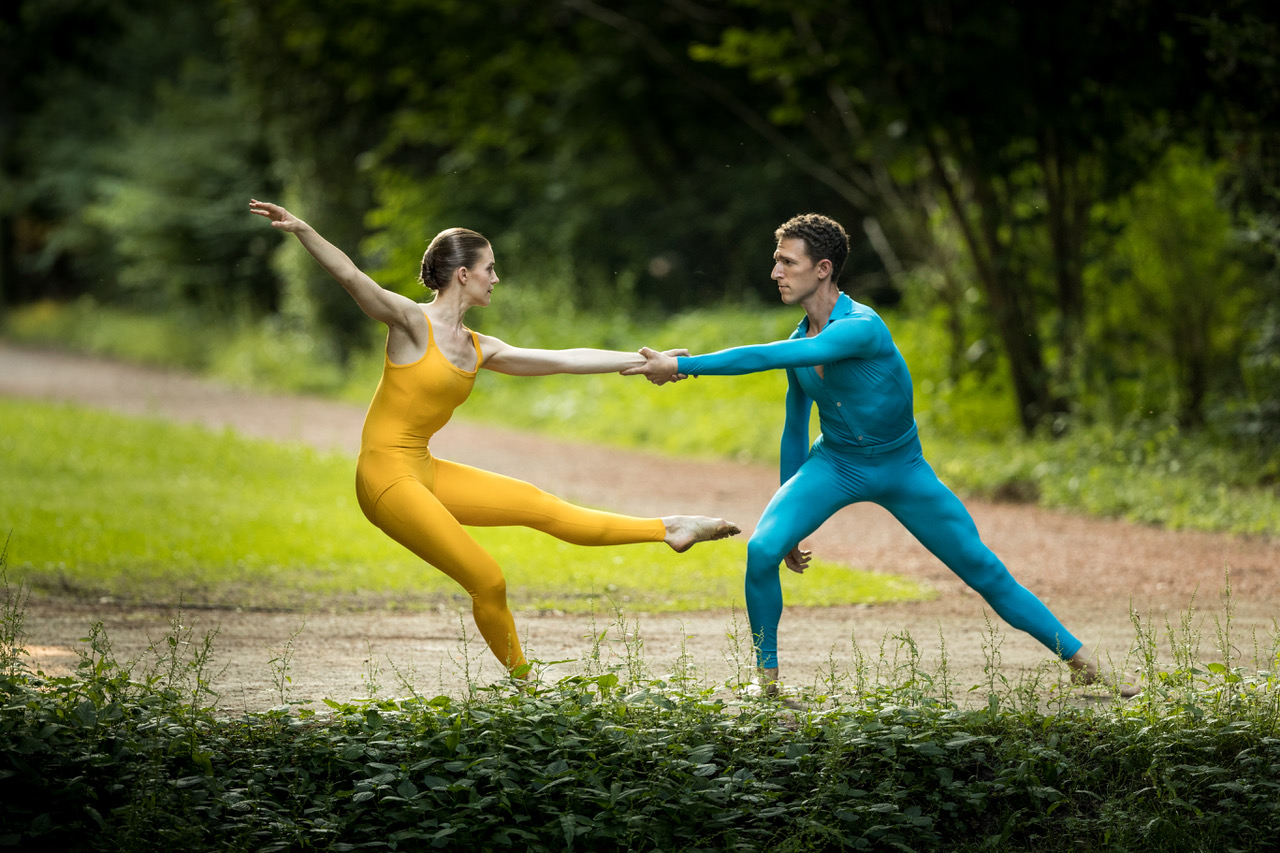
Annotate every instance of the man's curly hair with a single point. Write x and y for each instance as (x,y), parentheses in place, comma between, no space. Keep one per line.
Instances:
(823,238)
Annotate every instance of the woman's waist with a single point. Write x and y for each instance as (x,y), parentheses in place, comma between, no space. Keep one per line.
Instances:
(399,435)
(379,467)
(404,452)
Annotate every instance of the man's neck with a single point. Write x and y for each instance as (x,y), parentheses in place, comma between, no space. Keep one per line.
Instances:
(818,306)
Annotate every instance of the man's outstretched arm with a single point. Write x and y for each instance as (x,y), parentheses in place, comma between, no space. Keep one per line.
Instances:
(851,338)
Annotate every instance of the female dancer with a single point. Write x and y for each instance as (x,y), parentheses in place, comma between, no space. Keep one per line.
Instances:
(430,366)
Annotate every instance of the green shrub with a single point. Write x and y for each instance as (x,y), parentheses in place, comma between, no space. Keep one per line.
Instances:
(135,757)
(168,340)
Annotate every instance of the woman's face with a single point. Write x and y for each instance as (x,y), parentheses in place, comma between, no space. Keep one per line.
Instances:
(481,277)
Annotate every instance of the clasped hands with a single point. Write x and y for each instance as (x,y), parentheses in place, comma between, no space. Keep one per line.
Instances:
(659,367)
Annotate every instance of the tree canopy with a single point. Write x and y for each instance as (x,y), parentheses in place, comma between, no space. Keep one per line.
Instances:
(1086,190)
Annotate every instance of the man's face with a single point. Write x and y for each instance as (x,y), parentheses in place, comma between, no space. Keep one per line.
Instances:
(797,276)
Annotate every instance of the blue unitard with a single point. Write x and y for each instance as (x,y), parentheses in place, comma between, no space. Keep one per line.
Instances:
(868,451)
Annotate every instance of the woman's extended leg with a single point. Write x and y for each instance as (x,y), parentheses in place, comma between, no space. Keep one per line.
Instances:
(481,498)
(411,515)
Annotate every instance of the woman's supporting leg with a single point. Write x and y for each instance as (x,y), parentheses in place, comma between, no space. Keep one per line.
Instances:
(429,523)
(411,515)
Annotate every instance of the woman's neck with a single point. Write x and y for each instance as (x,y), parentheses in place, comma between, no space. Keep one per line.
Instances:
(446,312)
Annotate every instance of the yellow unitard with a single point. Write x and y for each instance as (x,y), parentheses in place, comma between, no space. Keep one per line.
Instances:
(423,502)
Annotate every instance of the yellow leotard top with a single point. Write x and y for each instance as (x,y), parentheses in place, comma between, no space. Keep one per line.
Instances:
(412,402)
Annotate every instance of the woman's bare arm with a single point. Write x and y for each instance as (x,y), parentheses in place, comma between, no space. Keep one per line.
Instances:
(519,361)
(379,303)
(501,357)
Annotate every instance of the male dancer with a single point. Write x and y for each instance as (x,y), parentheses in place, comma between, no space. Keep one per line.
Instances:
(842,358)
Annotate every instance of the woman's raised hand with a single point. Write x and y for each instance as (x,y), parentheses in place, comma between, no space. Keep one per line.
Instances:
(280,218)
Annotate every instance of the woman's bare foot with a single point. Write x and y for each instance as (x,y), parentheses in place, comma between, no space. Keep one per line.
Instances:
(1084,671)
(685,531)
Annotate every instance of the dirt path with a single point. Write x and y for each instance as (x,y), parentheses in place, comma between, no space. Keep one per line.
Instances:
(1088,571)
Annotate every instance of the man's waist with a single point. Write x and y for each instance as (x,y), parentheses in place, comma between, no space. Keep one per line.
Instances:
(866,445)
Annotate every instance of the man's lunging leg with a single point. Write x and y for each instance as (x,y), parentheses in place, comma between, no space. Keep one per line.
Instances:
(796,510)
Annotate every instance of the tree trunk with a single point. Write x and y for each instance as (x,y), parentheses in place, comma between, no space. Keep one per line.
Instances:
(1014,319)
(1191,364)
(1022,344)
(1069,201)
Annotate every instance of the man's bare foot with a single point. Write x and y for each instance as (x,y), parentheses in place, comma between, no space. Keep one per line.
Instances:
(766,684)
(1084,671)
(768,681)
(685,531)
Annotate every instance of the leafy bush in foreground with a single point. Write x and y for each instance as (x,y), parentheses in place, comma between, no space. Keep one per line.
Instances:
(107,759)
(581,767)
(135,756)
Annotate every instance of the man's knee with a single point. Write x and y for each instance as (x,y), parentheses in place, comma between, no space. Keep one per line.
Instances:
(991,580)
(763,556)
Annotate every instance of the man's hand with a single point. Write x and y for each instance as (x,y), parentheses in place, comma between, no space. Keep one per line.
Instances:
(659,367)
(798,560)
(280,218)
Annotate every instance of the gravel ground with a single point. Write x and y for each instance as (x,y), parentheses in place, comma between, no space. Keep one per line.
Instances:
(1090,572)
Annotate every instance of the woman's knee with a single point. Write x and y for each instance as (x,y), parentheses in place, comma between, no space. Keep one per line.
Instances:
(490,592)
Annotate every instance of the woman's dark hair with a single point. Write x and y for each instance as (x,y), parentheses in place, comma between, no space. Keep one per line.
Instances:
(450,249)
(823,238)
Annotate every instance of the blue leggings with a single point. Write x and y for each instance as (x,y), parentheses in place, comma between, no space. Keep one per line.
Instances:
(904,484)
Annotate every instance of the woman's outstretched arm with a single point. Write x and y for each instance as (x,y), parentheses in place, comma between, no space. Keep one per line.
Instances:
(520,361)
(379,303)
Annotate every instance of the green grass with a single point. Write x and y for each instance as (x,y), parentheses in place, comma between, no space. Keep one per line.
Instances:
(141,509)
(172,340)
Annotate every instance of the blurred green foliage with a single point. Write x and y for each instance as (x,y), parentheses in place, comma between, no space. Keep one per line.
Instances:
(125,159)
(1173,297)
(1094,236)
(173,195)
(175,338)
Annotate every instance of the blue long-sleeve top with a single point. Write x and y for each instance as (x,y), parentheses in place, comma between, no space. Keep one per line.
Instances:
(864,396)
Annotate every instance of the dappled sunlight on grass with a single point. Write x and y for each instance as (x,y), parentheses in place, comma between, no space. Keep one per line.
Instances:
(653,578)
(102,505)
